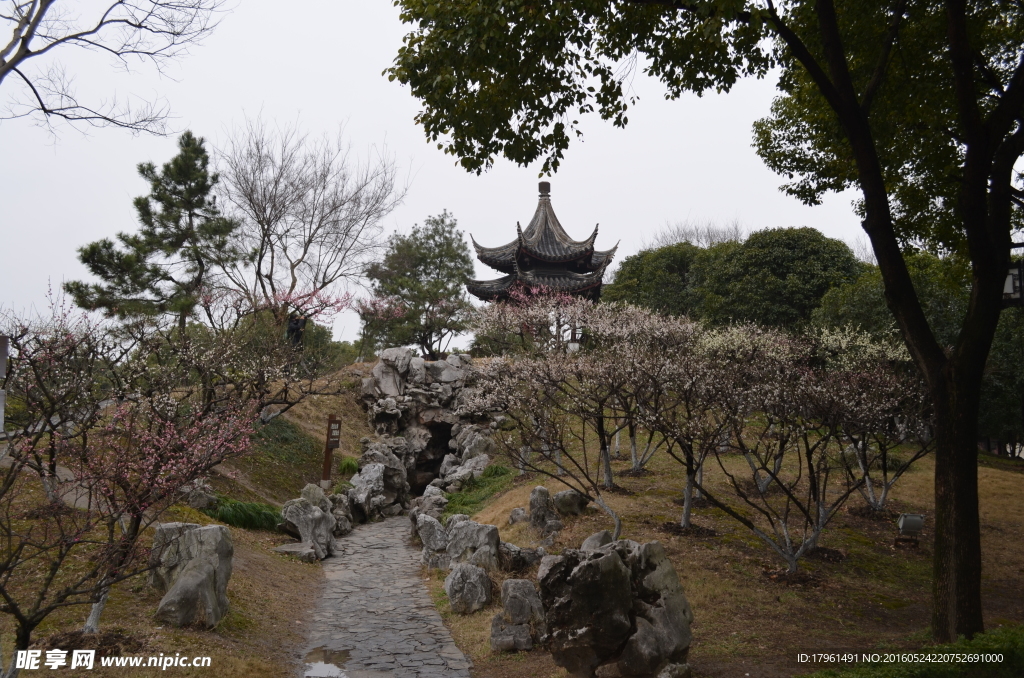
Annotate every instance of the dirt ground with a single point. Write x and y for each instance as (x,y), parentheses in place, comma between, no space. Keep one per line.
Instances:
(866,595)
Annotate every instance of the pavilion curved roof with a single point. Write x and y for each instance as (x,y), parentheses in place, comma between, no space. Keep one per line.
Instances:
(544,239)
(555,281)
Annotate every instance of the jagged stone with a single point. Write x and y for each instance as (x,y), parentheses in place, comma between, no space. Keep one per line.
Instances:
(193,565)
(468,588)
(312,523)
(470,542)
(596,541)
(512,558)
(506,637)
(341,509)
(521,604)
(448,464)
(542,509)
(518,515)
(477,464)
(569,503)
(431,533)
(455,519)
(616,610)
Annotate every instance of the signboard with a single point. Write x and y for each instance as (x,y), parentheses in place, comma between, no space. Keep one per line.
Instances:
(333,433)
(1013,295)
(333,443)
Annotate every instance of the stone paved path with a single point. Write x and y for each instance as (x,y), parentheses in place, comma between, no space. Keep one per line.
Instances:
(376,619)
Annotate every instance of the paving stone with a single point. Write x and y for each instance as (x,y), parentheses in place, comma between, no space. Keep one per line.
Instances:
(376,608)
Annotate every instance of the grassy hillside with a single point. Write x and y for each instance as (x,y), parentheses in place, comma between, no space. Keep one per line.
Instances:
(875,598)
(271,595)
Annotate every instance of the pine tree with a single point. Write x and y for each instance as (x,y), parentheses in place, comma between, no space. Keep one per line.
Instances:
(165,267)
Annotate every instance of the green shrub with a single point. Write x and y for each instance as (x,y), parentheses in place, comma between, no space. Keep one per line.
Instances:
(245,514)
(1009,642)
(476,491)
(349,466)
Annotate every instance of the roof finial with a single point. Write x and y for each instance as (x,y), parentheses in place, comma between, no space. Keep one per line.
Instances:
(545,189)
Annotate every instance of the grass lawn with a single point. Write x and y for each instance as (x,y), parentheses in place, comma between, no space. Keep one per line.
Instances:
(875,599)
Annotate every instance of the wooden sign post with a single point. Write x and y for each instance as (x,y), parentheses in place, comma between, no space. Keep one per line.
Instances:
(333,443)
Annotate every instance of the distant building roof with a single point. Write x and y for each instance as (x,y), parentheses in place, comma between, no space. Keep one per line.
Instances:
(543,256)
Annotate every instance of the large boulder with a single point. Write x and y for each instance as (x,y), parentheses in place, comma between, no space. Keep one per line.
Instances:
(192,564)
(435,542)
(616,610)
(569,503)
(477,464)
(314,522)
(512,558)
(395,475)
(521,604)
(541,507)
(508,637)
(596,541)
(367,491)
(468,588)
(470,542)
(448,464)
(341,509)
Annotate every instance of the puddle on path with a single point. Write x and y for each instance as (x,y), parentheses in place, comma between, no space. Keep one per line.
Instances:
(322,662)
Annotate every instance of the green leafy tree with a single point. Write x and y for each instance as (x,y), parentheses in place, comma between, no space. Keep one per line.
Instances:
(658,279)
(776,277)
(915,103)
(419,295)
(166,267)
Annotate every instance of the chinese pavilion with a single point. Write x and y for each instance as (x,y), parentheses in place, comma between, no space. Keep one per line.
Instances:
(543,257)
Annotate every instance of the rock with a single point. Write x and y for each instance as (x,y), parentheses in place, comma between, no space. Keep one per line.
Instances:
(194,564)
(199,494)
(512,558)
(449,464)
(395,476)
(569,503)
(458,476)
(518,515)
(433,490)
(341,509)
(313,524)
(470,542)
(455,519)
(468,588)
(302,550)
(552,527)
(387,380)
(588,603)
(477,464)
(397,358)
(596,541)
(367,491)
(541,508)
(616,610)
(417,372)
(676,671)
(506,637)
(521,604)
(431,533)
(314,494)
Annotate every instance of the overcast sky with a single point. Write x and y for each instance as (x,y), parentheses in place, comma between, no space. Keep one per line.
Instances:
(321,67)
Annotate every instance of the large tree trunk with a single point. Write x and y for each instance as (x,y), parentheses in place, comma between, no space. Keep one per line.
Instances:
(956,582)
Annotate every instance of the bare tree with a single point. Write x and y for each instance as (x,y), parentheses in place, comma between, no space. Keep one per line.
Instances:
(131,32)
(702,233)
(311,217)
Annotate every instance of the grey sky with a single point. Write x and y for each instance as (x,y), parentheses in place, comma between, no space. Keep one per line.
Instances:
(321,67)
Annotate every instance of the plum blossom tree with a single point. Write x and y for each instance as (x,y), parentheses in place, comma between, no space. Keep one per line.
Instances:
(122,418)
